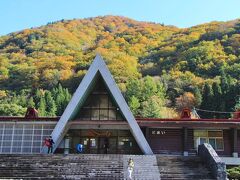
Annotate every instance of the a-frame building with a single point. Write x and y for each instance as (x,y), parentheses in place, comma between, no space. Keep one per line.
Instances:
(98,117)
(97,114)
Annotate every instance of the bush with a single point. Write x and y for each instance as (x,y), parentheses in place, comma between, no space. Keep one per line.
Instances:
(234,173)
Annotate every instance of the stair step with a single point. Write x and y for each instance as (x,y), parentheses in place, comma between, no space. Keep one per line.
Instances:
(180,167)
(97,166)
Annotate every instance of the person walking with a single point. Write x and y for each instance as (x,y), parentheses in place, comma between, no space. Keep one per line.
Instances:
(130,167)
(79,148)
(45,144)
(50,144)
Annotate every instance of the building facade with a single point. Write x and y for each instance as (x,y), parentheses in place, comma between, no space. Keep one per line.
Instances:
(99,118)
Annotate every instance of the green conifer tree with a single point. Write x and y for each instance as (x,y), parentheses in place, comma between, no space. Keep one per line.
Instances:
(134,105)
(224,82)
(62,98)
(37,97)
(42,107)
(59,104)
(50,104)
(207,97)
(31,102)
(217,96)
(134,88)
(149,88)
(227,100)
(152,107)
(198,96)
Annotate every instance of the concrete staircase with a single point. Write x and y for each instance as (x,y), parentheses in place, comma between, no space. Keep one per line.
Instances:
(82,166)
(61,167)
(102,167)
(145,167)
(184,168)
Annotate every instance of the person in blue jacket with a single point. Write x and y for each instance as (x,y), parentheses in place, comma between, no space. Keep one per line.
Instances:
(79,148)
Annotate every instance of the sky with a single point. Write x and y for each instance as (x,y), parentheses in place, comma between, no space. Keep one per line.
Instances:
(17,15)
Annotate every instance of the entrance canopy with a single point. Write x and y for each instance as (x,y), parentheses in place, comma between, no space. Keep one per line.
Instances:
(98,68)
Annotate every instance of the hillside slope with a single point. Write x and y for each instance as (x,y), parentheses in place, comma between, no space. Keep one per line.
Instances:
(62,51)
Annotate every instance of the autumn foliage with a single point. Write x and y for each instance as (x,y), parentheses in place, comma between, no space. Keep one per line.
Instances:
(182,59)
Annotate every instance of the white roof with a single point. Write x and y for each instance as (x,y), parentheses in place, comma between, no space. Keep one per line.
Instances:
(99,67)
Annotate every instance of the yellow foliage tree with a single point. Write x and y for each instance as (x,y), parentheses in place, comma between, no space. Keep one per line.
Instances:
(187,100)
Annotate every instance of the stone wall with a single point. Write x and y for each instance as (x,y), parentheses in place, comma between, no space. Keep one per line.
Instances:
(214,162)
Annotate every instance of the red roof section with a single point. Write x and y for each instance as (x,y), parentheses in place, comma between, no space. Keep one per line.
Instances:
(139,119)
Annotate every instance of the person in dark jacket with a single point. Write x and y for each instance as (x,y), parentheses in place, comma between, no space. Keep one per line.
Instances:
(50,144)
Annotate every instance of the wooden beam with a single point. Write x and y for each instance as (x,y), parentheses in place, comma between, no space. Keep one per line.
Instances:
(235,140)
(185,139)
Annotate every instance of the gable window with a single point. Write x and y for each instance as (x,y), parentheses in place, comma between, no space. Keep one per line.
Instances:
(99,105)
(213,137)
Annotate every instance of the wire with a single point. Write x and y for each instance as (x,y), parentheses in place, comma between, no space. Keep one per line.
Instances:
(221,112)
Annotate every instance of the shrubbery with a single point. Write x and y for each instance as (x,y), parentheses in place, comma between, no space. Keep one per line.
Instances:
(234,173)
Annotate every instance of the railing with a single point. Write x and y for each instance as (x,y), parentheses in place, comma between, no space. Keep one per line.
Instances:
(214,162)
(20,118)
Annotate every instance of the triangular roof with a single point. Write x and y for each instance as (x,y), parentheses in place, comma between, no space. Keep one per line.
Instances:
(99,67)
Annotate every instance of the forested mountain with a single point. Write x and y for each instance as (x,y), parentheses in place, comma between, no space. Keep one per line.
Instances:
(197,66)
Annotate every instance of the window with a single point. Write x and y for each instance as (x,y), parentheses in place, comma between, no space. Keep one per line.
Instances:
(103,101)
(103,114)
(99,107)
(95,114)
(93,142)
(95,101)
(203,140)
(17,138)
(23,138)
(125,142)
(85,114)
(213,137)
(215,134)
(212,141)
(112,114)
(219,144)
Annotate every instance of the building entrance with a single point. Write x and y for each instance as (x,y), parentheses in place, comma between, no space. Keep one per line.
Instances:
(103,142)
(95,145)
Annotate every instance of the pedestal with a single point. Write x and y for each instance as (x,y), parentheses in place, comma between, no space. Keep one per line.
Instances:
(235,154)
(185,153)
(66,146)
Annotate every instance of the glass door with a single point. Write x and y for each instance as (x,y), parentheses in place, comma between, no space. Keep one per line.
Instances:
(103,145)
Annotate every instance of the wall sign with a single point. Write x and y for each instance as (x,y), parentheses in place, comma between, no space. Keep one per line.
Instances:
(158,132)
